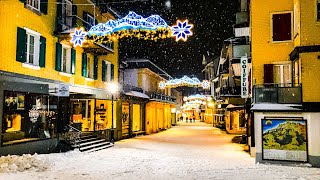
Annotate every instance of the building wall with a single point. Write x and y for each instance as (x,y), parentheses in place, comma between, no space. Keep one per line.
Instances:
(313,134)
(158,116)
(45,25)
(264,51)
(310,76)
(149,81)
(131,77)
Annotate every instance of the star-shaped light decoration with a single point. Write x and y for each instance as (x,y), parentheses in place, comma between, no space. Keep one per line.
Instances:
(182,30)
(162,85)
(78,37)
(205,84)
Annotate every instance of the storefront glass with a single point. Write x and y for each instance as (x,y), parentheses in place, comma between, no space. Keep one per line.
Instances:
(82,114)
(102,119)
(28,116)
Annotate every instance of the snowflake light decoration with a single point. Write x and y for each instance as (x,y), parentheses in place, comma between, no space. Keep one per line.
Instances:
(182,30)
(78,37)
(205,84)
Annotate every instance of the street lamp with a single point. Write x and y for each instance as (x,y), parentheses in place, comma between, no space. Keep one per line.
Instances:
(113,88)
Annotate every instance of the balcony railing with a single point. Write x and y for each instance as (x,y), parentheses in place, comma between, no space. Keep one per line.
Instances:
(243,31)
(278,93)
(242,17)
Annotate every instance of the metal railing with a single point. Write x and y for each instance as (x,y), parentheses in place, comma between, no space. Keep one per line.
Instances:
(278,93)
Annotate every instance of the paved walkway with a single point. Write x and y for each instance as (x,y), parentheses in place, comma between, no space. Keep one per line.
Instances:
(187,151)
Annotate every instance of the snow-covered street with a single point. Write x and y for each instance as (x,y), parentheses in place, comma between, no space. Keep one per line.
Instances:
(186,151)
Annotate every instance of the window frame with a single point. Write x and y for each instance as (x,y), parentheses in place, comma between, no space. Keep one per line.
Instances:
(317,13)
(67,18)
(36,47)
(90,67)
(108,71)
(31,4)
(90,17)
(271,26)
(68,58)
(281,65)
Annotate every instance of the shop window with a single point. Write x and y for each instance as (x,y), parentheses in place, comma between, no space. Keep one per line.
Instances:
(66,59)
(28,117)
(281,27)
(82,114)
(34,4)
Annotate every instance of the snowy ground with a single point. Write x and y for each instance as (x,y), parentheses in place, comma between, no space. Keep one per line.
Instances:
(187,151)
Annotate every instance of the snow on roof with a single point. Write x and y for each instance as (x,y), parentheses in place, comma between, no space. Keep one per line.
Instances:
(279,107)
(137,94)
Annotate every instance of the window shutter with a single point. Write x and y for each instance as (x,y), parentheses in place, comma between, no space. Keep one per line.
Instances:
(74,13)
(95,68)
(73,61)
(59,16)
(85,18)
(21,45)
(58,56)
(104,68)
(84,64)
(268,73)
(112,72)
(44,6)
(24,1)
(42,60)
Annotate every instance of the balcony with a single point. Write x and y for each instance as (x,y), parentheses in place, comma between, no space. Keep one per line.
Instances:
(239,51)
(278,93)
(230,91)
(242,17)
(159,96)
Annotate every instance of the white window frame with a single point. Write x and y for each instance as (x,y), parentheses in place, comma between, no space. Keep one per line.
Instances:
(281,65)
(90,68)
(33,4)
(36,47)
(271,26)
(108,71)
(68,58)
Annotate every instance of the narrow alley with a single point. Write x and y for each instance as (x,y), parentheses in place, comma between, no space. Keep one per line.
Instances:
(186,151)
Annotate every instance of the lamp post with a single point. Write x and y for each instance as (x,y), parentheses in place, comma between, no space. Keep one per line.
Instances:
(113,88)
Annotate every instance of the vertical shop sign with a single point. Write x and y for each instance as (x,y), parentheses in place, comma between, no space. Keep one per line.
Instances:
(244,77)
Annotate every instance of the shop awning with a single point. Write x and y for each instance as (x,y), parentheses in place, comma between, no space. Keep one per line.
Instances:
(230,106)
(137,94)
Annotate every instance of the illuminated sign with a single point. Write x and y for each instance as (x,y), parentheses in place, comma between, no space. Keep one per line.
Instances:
(244,77)
(78,37)
(184,81)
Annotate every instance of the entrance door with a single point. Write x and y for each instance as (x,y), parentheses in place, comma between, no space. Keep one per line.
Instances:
(125,120)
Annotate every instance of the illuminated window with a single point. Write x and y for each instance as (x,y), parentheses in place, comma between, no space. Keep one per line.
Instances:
(281,27)
(34,4)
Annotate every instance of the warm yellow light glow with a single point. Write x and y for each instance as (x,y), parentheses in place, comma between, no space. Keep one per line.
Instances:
(113,88)
(210,104)
(209,98)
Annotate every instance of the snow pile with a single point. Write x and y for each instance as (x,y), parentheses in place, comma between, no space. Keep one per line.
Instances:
(14,163)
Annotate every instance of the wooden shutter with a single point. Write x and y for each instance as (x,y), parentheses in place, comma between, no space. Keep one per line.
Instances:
(95,68)
(42,55)
(73,61)
(281,27)
(84,64)
(268,73)
(21,45)
(104,68)
(74,13)
(112,72)
(44,6)
(58,56)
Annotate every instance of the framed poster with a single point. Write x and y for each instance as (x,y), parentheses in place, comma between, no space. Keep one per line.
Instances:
(284,139)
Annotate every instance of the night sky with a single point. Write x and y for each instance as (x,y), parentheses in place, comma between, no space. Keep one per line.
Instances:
(212,19)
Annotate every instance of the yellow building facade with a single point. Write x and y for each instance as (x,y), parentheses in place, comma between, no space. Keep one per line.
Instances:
(285,61)
(38,59)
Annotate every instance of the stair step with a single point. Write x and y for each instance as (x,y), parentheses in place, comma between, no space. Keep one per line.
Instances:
(86,140)
(100,148)
(91,142)
(94,146)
